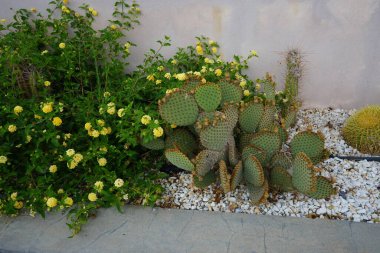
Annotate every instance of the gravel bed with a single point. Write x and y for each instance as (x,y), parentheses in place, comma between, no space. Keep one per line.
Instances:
(357,182)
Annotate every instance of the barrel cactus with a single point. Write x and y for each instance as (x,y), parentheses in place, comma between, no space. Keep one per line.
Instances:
(362,130)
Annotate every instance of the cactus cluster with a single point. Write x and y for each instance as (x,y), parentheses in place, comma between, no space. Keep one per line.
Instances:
(221,138)
(362,130)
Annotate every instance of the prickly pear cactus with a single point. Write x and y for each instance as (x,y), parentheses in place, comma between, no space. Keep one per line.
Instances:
(213,118)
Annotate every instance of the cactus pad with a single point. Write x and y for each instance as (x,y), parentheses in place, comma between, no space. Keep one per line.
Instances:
(183,139)
(179,108)
(245,139)
(250,116)
(253,172)
(281,179)
(215,137)
(205,161)
(270,142)
(324,189)
(203,182)
(281,160)
(237,175)
(258,194)
(208,96)
(191,84)
(224,176)
(179,159)
(269,89)
(232,115)
(155,144)
(267,120)
(230,92)
(232,151)
(291,118)
(310,143)
(304,176)
(259,153)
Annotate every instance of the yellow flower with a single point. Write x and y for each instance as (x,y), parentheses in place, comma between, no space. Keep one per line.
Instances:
(103,149)
(90,9)
(92,197)
(53,168)
(258,86)
(3,20)
(246,93)
(3,159)
(111,110)
(65,1)
(78,157)
(12,128)
(208,60)
(70,152)
(18,205)
(62,45)
(94,133)
(158,81)
(119,182)
(18,109)
(103,131)
(204,69)
(173,125)
(199,49)
(87,126)
(14,196)
(67,136)
(65,9)
(106,94)
(60,191)
(113,27)
(158,132)
(160,68)
(57,121)
(72,164)
(102,161)
(100,122)
(181,76)
(68,201)
(77,14)
(174,62)
(146,119)
(28,138)
(99,186)
(36,116)
(94,13)
(196,73)
(214,50)
(211,42)
(150,78)
(109,130)
(127,45)
(47,83)
(243,83)
(33,9)
(167,75)
(121,112)
(51,202)
(48,107)
(203,80)
(254,53)
(218,72)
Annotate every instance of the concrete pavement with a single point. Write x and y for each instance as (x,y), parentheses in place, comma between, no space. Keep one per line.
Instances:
(143,229)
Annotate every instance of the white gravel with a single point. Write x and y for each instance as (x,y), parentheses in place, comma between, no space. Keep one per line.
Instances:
(357,182)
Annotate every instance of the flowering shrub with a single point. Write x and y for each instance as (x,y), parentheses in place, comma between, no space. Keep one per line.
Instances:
(69,120)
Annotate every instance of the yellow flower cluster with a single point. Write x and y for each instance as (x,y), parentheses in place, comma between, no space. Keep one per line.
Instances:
(3,159)
(53,168)
(51,202)
(218,72)
(62,45)
(104,130)
(12,128)
(47,107)
(181,76)
(119,182)
(102,161)
(126,47)
(93,12)
(47,83)
(243,83)
(246,93)
(68,201)
(214,50)
(121,112)
(199,49)
(76,158)
(209,61)
(18,109)
(146,119)
(150,78)
(18,205)
(158,132)
(160,68)
(57,121)
(168,76)
(92,197)
(99,186)
(65,9)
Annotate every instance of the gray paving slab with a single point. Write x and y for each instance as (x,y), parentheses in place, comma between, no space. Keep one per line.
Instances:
(144,229)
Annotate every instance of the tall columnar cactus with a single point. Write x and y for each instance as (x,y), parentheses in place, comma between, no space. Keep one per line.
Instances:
(213,119)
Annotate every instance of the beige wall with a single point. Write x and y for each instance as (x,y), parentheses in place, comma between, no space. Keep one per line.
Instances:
(340,38)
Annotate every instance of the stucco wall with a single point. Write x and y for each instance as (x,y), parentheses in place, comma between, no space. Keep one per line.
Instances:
(340,39)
